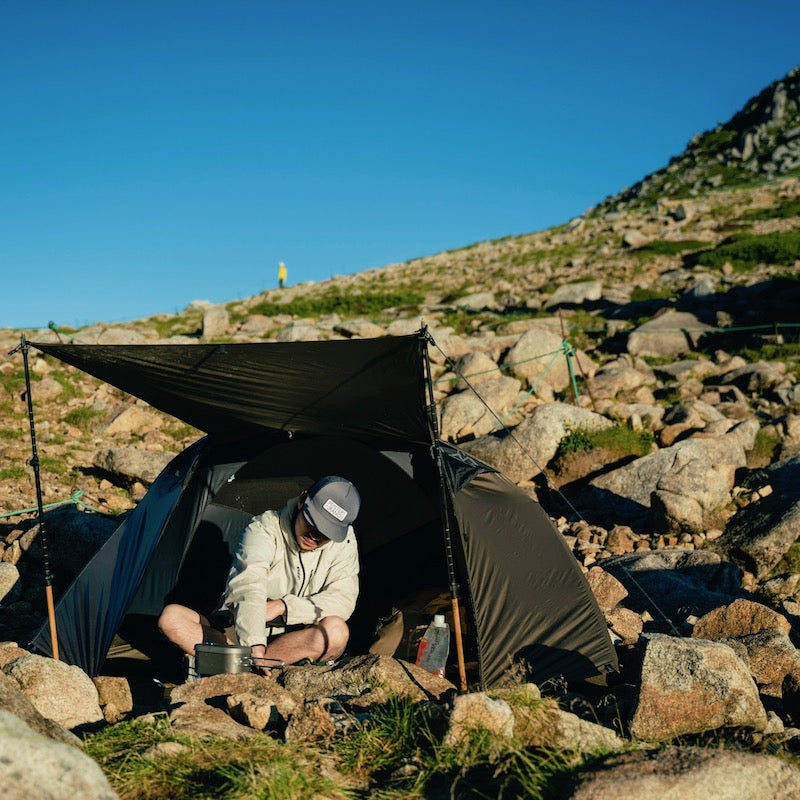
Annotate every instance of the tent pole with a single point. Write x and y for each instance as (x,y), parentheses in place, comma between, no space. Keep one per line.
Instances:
(48,577)
(448,541)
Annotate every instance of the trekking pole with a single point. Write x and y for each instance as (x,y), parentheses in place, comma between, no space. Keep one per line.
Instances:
(448,541)
(48,577)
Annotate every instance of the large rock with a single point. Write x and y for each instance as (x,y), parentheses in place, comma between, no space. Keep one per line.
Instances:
(266,706)
(617,378)
(10,586)
(216,322)
(771,657)
(478,712)
(35,766)
(685,773)
(465,413)
(477,301)
(740,618)
(668,336)
(607,590)
(61,692)
(691,496)
(543,724)
(114,695)
(676,583)
(759,535)
(202,721)
(312,723)
(758,377)
(13,701)
(99,334)
(536,359)
(386,676)
(627,492)
(251,699)
(691,686)
(299,333)
(575,294)
(535,440)
(132,464)
(134,419)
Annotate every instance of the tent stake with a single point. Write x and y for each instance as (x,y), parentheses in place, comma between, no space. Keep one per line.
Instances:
(48,577)
(448,541)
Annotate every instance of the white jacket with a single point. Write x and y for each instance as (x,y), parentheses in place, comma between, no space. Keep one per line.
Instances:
(269,564)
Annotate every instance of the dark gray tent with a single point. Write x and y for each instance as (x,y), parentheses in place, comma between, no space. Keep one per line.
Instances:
(277,416)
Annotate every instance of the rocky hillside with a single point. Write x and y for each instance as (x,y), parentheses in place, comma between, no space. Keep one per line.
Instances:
(760,141)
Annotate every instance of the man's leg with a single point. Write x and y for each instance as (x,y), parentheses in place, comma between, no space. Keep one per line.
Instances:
(320,642)
(186,628)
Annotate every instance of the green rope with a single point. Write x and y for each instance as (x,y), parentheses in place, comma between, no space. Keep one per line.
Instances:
(731,329)
(565,348)
(74,498)
(456,378)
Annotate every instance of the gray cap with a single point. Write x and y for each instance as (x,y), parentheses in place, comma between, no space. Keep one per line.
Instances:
(331,506)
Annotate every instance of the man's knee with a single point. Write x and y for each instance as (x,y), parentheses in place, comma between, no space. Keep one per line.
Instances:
(336,632)
(172,617)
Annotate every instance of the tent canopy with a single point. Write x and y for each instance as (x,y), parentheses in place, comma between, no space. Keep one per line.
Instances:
(372,389)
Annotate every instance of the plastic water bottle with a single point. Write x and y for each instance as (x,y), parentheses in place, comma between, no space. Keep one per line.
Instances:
(435,646)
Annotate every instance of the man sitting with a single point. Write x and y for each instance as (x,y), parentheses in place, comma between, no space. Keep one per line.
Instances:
(292,586)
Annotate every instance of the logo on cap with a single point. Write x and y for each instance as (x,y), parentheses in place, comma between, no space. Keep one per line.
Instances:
(334,509)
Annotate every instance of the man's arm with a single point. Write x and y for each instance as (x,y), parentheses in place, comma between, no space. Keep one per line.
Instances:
(246,594)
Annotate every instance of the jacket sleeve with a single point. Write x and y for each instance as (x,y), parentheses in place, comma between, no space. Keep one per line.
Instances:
(338,594)
(247,590)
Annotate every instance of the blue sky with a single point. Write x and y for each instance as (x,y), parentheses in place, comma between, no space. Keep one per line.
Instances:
(155,153)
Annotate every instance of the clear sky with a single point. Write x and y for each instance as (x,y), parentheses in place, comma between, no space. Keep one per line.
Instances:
(156,152)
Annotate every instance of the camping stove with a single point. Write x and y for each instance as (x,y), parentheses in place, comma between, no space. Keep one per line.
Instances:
(213,659)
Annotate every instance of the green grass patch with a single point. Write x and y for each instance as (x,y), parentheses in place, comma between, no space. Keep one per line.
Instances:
(744,251)
(189,323)
(764,449)
(14,473)
(14,382)
(210,769)
(785,210)
(790,561)
(83,418)
(345,304)
(11,434)
(456,294)
(69,386)
(399,732)
(619,440)
(182,432)
(55,466)
(640,294)
(462,320)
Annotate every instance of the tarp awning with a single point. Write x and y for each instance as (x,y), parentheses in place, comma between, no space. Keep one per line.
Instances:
(366,388)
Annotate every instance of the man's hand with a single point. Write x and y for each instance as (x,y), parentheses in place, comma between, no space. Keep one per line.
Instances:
(276,609)
(258,653)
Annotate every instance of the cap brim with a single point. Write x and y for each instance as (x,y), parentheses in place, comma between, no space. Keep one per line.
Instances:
(336,533)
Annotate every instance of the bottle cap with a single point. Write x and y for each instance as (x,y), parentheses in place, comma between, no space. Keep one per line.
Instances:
(438,621)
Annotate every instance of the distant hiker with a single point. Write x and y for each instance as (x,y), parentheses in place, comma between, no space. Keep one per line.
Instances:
(281,274)
(292,586)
